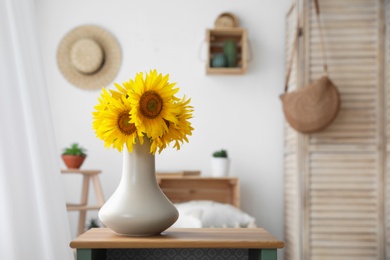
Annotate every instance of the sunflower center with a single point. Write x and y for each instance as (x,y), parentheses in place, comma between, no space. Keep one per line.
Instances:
(124,125)
(151,104)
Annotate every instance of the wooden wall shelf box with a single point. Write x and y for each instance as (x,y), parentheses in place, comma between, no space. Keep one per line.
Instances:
(215,39)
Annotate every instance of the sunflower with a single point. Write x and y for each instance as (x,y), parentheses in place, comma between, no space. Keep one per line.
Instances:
(143,106)
(153,103)
(183,128)
(177,133)
(111,121)
(101,106)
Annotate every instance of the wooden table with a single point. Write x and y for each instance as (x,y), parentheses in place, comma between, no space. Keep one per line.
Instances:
(202,243)
(83,206)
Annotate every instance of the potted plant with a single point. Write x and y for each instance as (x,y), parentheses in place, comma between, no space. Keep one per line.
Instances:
(74,156)
(93,223)
(220,163)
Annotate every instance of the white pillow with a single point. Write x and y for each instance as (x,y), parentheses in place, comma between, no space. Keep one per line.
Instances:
(215,214)
(188,219)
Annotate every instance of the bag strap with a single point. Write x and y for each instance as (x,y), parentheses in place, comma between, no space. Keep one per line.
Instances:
(295,46)
(319,25)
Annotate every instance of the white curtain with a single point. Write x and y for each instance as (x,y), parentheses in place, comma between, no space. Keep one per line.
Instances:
(33,218)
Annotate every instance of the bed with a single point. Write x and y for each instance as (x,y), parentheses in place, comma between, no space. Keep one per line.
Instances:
(205,202)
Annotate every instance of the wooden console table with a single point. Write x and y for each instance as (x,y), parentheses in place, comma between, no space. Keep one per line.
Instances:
(202,243)
(88,175)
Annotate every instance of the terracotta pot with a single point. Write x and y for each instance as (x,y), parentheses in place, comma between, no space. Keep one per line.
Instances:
(73,161)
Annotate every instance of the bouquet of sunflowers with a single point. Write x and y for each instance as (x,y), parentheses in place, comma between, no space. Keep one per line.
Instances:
(143,107)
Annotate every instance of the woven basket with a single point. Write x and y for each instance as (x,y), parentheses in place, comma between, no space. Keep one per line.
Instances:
(226,20)
(312,108)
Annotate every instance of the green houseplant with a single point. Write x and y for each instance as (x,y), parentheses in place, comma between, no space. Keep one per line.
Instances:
(93,223)
(220,154)
(220,163)
(74,156)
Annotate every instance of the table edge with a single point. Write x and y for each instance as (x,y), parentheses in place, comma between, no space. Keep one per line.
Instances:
(85,241)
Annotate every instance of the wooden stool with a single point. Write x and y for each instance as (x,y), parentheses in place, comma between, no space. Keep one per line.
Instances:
(83,206)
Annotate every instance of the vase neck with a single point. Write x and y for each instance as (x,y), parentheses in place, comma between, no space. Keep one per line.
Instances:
(139,165)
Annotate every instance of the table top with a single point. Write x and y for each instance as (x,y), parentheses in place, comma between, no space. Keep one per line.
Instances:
(181,238)
(81,171)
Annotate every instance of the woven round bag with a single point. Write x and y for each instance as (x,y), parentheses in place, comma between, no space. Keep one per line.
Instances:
(312,108)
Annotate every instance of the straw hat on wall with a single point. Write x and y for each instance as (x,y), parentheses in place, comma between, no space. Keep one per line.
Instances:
(89,57)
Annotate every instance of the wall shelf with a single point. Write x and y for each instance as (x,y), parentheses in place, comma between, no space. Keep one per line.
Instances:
(216,38)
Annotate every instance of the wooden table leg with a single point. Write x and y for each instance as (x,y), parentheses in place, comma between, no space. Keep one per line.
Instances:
(263,254)
(84,254)
(98,189)
(268,254)
(91,254)
(84,201)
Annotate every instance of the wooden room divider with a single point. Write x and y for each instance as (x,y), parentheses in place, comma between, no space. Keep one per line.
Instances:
(337,184)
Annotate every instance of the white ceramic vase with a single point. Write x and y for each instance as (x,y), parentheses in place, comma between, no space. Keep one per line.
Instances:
(138,207)
(220,167)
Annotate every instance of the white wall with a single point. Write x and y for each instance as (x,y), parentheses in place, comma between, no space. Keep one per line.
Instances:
(240,113)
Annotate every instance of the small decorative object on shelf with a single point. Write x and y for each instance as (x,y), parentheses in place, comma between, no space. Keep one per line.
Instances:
(219,61)
(230,52)
(220,164)
(227,46)
(74,156)
(139,118)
